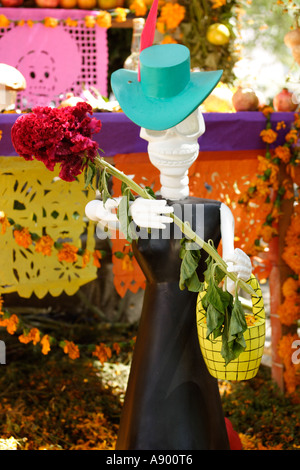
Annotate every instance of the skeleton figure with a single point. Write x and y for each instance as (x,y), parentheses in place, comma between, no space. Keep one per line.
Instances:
(173,151)
(172,402)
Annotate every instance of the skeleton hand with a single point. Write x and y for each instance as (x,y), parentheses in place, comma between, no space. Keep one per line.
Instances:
(239,263)
(150,213)
(104,214)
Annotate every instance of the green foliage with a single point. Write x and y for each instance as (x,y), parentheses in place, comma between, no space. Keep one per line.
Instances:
(199,16)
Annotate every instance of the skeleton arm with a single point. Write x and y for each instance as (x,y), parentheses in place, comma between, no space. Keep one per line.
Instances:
(147,213)
(237,260)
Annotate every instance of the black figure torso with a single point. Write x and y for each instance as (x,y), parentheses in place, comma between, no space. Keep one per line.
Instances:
(172,402)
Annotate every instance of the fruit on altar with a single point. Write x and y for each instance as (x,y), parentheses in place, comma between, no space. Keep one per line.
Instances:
(86,4)
(296,53)
(11,3)
(220,100)
(68,3)
(218,34)
(283,101)
(47,3)
(245,99)
(292,38)
(71,100)
(110,4)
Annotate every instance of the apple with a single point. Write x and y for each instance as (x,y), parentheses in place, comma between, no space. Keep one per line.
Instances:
(47,3)
(86,4)
(11,3)
(218,34)
(67,3)
(110,4)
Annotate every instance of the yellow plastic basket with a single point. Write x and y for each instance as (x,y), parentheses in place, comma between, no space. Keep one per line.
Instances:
(247,364)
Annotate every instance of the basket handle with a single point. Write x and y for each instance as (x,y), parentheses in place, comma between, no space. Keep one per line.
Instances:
(257,302)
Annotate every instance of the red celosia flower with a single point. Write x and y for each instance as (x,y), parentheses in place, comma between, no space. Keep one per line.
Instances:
(58,135)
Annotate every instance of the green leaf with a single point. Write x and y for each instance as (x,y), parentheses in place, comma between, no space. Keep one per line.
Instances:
(217,297)
(215,321)
(104,186)
(125,219)
(190,261)
(237,322)
(150,191)
(89,175)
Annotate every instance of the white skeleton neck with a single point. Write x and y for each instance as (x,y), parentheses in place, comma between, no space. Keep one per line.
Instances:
(173,151)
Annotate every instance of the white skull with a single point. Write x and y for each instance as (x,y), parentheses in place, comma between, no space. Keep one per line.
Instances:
(173,151)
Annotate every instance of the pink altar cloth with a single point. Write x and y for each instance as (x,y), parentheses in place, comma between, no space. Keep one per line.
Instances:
(54,60)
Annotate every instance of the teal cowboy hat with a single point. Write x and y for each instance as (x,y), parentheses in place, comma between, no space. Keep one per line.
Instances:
(166,92)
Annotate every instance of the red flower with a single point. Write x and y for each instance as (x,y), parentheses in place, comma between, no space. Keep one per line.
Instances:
(58,136)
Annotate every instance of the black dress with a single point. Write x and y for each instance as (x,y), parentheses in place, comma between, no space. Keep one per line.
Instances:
(171,402)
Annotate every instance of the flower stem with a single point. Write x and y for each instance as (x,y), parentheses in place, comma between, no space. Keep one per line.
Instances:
(184,226)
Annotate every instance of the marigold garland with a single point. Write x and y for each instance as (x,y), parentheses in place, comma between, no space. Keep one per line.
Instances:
(266,191)
(45,244)
(171,14)
(13,323)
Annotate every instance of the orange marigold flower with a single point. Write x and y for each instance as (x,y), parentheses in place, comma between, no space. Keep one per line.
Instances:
(291,255)
(4,222)
(4,22)
(33,335)
(127,264)
(11,324)
(1,305)
(218,3)
(160,26)
(138,7)
(85,258)
(102,352)
(89,21)
(262,187)
(71,349)
(283,153)
(45,342)
(280,125)
(97,256)
(291,287)
(297,121)
(120,14)
(263,164)
(50,22)
(71,23)
(30,23)
(172,14)
(267,232)
(250,320)
(289,191)
(288,311)
(117,348)
(268,135)
(292,136)
(267,110)
(276,214)
(103,19)
(285,351)
(23,237)
(68,253)
(168,40)
(44,245)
